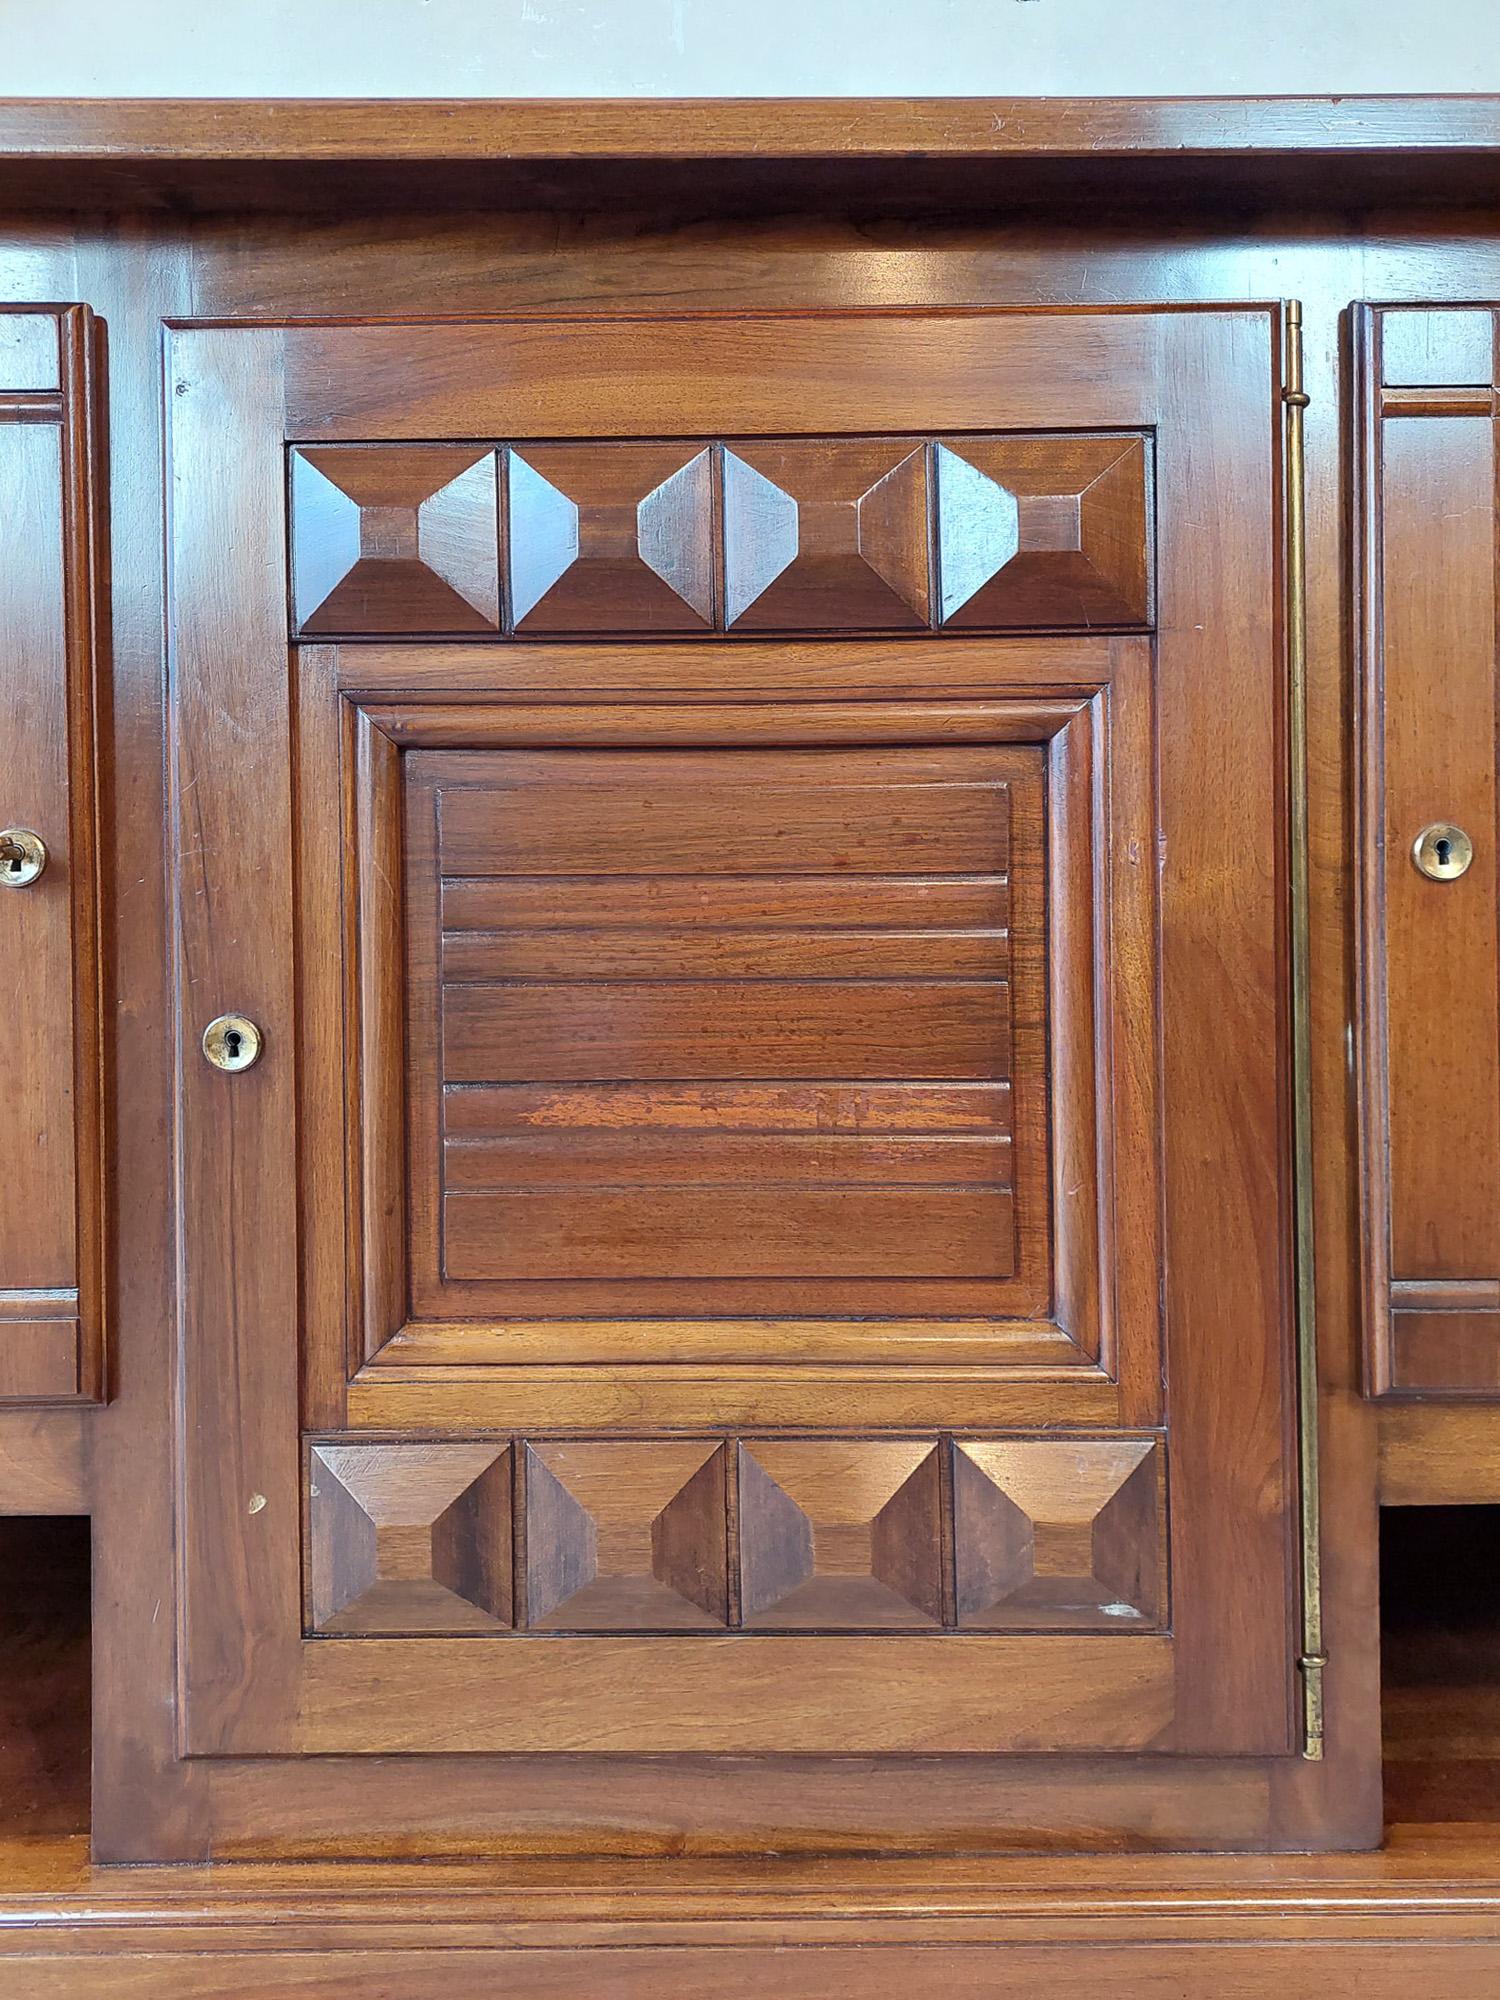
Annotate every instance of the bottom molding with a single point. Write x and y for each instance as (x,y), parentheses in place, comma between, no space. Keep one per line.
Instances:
(1385,1926)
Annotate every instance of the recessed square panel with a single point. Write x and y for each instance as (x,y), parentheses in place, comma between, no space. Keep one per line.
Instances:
(748,1031)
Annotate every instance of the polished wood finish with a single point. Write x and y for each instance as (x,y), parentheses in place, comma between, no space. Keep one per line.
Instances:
(510,811)
(840,1533)
(1431,1013)
(626,1536)
(883,156)
(394,540)
(51,1117)
(832,534)
(1034,531)
(615,538)
(1421,1913)
(1060,1534)
(409,1537)
(43,1461)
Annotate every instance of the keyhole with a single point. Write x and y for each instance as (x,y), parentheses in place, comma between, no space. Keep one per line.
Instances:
(1444,851)
(232,1044)
(13,864)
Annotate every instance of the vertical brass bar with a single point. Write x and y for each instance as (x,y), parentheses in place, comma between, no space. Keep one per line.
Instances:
(1313,1657)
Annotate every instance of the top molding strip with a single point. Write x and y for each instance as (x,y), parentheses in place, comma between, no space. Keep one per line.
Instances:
(890,153)
(473,129)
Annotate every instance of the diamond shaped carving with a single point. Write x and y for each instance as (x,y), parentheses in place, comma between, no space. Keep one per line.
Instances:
(626,1536)
(1062,1532)
(410,1537)
(610,538)
(395,538)
(1042,531)
(839,1534)
(826,535)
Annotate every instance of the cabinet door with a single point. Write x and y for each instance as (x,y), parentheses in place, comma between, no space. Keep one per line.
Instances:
(1429,882)
(743,1210)
(51,1224)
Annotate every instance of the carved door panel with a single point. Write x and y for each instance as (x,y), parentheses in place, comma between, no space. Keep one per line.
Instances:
(1429,885)
(760,1224)
(51,1222)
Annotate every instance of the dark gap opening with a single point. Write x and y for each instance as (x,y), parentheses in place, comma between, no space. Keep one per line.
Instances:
(44,1678)
(1440,1663)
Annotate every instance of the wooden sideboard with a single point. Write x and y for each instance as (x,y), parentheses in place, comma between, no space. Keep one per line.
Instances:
(753,874)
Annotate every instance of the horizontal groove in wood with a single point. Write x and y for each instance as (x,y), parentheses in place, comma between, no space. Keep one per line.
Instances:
(742,902)
(1438,403)
(675,812)
(580,953)
(721,1029)
(1429,1295)
(704,1231)
(60,1302)
(738,1159)
(762,1028)
(768,1106)
(506,1344)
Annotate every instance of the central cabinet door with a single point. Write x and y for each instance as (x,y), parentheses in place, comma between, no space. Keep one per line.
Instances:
(732,873)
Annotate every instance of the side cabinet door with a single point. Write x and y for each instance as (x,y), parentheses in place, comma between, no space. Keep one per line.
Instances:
(1430,889)
(51,1222)
(734,1065)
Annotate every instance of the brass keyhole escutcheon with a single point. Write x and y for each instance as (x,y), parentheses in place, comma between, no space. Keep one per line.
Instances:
(1442,852)
(232,1042)
(23,856)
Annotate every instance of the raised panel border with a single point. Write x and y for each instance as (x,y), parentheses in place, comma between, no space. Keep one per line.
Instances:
(1104,1339)
(53,1341)
(1205,379)
(1437,1339)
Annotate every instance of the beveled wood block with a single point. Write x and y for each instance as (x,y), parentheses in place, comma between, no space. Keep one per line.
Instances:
(1058,1531)
(610,538)
(840,1534)
(626,1536)
(395,538)
(410,1537)
(826,535)
(1042,531)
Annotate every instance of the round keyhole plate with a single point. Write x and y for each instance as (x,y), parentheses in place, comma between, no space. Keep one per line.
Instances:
(1442,852)
(232,1042)
(23,856)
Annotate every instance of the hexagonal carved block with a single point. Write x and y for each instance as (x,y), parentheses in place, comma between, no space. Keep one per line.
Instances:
(826,535)
(610,538)
(1042,531)
(410,1537)
(1058,1532)
(398,538)
(840,1534)
(626,1536)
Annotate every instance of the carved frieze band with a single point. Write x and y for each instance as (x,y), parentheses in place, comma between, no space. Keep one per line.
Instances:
(810,535)
(753,1534)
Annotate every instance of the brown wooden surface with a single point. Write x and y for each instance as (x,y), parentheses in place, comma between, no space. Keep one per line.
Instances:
(254,1688)
(52,1227)
(747,154)
(1439,1454)
(1431,1013)
(136,274)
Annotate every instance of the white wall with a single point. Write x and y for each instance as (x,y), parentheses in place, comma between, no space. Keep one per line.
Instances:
(670,48)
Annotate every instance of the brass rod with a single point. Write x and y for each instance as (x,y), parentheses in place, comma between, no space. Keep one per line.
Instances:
(1313,1656)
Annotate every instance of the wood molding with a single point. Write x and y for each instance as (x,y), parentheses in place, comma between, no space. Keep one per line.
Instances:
(895,154)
